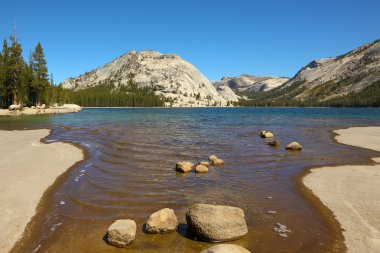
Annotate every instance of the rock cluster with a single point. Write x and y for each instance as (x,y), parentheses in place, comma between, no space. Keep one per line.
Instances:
(212,223)
(201,167)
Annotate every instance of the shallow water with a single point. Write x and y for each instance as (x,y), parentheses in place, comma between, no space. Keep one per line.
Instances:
(130,173)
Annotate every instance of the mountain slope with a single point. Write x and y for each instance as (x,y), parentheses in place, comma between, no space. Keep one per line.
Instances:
(169,75)
(326,80)
(245,82)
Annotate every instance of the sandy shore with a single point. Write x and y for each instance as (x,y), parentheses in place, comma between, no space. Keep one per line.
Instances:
(27,168)
(352,193)
(66,108)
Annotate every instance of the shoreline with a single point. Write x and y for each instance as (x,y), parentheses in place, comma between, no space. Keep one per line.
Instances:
(66,108)
(27,178)
(347,195)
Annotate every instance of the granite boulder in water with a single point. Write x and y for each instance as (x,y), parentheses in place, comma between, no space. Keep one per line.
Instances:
(162,221)
(121,233)
(266,134)
(184,167)
(201,169)
(293,146)
(216,223)
(226,248)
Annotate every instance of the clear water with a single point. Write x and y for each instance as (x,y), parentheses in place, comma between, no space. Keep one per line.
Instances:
(130,173)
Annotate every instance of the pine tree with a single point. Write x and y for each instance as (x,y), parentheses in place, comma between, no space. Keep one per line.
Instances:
(40,82)
(15,65)
(4,82)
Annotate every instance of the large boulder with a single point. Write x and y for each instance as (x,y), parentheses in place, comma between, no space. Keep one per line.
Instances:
(121,233)
(216,223)
(266,134)
(293,146)
(201,169)
(184,167)
(162,221)
(226,248)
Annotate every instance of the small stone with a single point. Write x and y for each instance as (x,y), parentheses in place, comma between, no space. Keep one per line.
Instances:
(293,146)
(217,162)
(271,212)
(274,143)
(162,221)
(269,197)
(121,233)
(283,235)
(205,163)
(266,134)
(226,248)
(62,202)
(184,167)
(201,169)
(212,158)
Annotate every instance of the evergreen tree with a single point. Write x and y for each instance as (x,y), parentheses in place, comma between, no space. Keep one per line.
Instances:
(15,67)
(4,78)
(40,83)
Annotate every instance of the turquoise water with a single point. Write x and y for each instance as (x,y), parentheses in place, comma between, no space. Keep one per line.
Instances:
(130,172)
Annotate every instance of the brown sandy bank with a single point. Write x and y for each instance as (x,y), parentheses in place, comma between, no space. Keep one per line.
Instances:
(27,168)
(353,192)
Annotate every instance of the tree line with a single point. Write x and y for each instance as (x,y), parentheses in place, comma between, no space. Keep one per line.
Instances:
(23,82)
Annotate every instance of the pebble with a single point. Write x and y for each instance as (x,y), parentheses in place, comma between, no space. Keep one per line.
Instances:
(62,202)
(271,212)
(269,197)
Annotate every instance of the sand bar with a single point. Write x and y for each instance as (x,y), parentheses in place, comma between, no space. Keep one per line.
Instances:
(352,193)
(27,168)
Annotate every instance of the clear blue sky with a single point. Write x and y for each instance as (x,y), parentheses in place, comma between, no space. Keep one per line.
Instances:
(220,37)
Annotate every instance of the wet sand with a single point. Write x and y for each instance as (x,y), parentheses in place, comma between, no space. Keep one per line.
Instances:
(352,192)
(27,168)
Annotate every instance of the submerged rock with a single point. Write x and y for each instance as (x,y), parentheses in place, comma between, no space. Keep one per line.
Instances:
(205,163)
(281,230)
(293,146)
(216,223)
(121,233)
(266,134)
(226,248)
(274,143)
(184,167)
(162,221)
(201,169)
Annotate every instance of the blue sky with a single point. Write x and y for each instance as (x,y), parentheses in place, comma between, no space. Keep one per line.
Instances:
(220,37)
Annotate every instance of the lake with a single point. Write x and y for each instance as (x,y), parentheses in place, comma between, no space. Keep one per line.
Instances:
(129,173)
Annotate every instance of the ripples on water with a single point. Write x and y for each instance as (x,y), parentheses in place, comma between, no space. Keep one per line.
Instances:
(130,173)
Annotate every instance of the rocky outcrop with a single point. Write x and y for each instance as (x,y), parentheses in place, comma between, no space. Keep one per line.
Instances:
(35,110)
(293,146)
(121,233)
(244,83)
(226,248)
(162,221)
(216,223)
(184,167)
(170,76)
